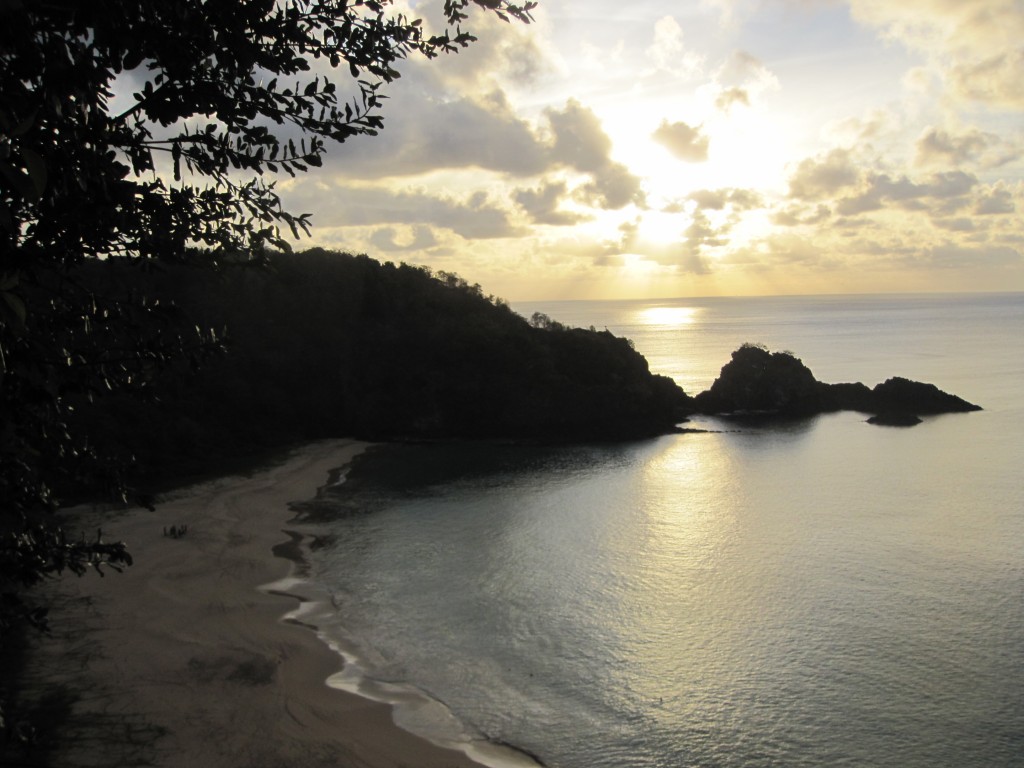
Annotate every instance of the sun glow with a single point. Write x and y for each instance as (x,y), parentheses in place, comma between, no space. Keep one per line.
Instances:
(746,148)
(669,316)
(662,228)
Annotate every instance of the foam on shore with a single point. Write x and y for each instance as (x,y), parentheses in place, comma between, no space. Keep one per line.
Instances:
(182,660)
(413,709)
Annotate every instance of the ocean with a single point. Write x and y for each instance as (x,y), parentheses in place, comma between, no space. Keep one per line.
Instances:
(815,592)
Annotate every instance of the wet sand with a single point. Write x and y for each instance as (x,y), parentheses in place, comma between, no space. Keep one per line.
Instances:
(183,661)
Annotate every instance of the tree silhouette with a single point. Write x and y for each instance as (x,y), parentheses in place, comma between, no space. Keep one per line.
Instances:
(224,96)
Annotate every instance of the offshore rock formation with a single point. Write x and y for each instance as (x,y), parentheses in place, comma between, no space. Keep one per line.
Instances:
(758,382)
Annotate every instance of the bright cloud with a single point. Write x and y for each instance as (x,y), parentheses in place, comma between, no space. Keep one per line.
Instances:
(684,141)
(978,45)
(733,145)
(668,51)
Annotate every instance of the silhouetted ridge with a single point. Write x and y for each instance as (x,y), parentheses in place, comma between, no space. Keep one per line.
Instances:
(758,382)
(326,344)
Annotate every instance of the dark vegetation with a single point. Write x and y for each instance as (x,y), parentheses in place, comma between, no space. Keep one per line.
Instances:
(324,344)
(224,96)
(758,382)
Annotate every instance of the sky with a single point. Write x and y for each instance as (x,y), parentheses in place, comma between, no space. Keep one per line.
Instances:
(646,149)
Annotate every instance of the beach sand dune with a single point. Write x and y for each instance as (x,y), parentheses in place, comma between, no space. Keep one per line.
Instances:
(181,661)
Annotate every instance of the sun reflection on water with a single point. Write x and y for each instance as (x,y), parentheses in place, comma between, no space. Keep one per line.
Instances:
(675,587)
(668,316)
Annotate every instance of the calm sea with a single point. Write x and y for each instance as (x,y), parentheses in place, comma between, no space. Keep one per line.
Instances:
(823,592)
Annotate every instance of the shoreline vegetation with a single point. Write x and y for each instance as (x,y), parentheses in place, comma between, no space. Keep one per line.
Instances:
(324,344)
(188,658)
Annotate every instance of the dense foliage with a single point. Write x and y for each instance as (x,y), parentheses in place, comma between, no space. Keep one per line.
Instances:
(327,344)
(135,131)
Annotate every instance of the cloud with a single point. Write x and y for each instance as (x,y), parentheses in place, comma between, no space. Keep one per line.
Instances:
(995,202)
(427,134)
(485,133)
(739,81)
(669,54)
(387,239)
(993,80)
(786,251)
(346,206)
(746,71)
(718,199)
(960,224)
(823,177)
(580,143)
(502,52)
(853,131)
(949,186)
(730,97)
(613,187)
(801,215)
(938,147)
(542,205)
(730,11)
(685,142)
(977,45)
(701,232)
(946,26)
(579,247)
(684,255)
(954,256)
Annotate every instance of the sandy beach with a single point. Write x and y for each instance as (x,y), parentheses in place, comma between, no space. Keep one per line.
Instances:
(183,661)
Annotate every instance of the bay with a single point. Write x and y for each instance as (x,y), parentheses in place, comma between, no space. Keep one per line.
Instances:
(809,593)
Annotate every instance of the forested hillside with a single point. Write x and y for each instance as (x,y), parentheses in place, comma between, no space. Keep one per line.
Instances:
(326,344)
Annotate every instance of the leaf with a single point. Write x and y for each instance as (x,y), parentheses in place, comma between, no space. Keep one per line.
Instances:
(132,59)
(16,306)
(36,167)
(22,128)
(21,181)
(176,156)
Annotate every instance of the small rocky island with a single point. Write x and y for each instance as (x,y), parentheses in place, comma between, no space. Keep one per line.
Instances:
(756,382)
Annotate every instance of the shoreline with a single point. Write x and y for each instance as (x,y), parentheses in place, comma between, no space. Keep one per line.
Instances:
(413,710)
(314,613)
(190,657)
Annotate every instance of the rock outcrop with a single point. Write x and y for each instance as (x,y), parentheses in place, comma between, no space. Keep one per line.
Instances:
(758,382)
